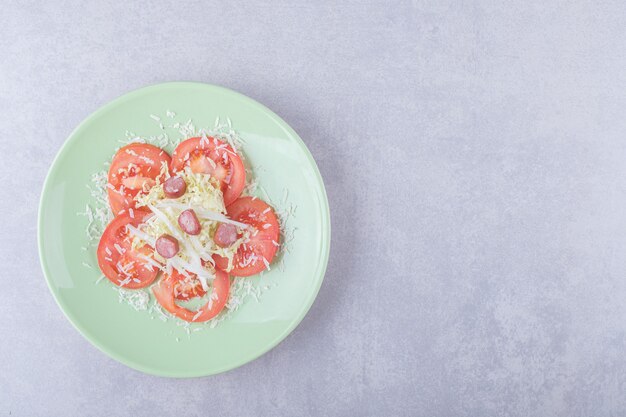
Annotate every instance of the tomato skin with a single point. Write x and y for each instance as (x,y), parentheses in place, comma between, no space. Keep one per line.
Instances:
(115,233)
(127,180)
(164,294)
(226,165)
(258,214)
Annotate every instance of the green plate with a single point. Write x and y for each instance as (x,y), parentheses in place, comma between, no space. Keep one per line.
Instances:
(138,338)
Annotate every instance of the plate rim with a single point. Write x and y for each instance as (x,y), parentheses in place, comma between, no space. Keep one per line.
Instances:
(325,211)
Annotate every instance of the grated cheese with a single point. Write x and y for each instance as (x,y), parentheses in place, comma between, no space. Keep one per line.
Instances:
(119,249)
(198,314)
(137,299)
(267,264)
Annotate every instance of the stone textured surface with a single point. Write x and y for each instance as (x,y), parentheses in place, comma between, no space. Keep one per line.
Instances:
(474,155)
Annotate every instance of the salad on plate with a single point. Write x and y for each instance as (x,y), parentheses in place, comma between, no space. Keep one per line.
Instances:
(183,227)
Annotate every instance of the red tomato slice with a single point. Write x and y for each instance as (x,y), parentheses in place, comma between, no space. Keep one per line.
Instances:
(118,261)
(249,257)
(164,293)
(133,171)
(214,157)
(186,288)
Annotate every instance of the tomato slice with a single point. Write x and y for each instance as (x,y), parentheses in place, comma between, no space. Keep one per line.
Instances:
(216,158)
(186,287)
(164,293)
(263,242)
(133,170)
(121,264)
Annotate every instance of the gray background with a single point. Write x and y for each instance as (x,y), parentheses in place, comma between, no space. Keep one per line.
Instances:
(474,154)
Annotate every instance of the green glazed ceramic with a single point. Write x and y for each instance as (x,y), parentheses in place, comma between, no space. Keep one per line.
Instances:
(136,338)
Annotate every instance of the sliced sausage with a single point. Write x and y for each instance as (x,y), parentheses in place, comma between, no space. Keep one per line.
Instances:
(167,246)
(174,187)
(225,235)
(188,221)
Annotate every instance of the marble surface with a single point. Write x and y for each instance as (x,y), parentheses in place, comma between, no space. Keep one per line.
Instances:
(474,156)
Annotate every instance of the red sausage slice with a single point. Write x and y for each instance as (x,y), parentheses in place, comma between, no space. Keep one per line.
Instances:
(188,221)
(167,246)
(174,187)
(225,235)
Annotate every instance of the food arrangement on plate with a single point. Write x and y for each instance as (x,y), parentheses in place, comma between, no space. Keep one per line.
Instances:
(226,282)
(195,304)
(182,226)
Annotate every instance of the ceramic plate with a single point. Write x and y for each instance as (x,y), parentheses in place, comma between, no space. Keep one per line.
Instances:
(141,339)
